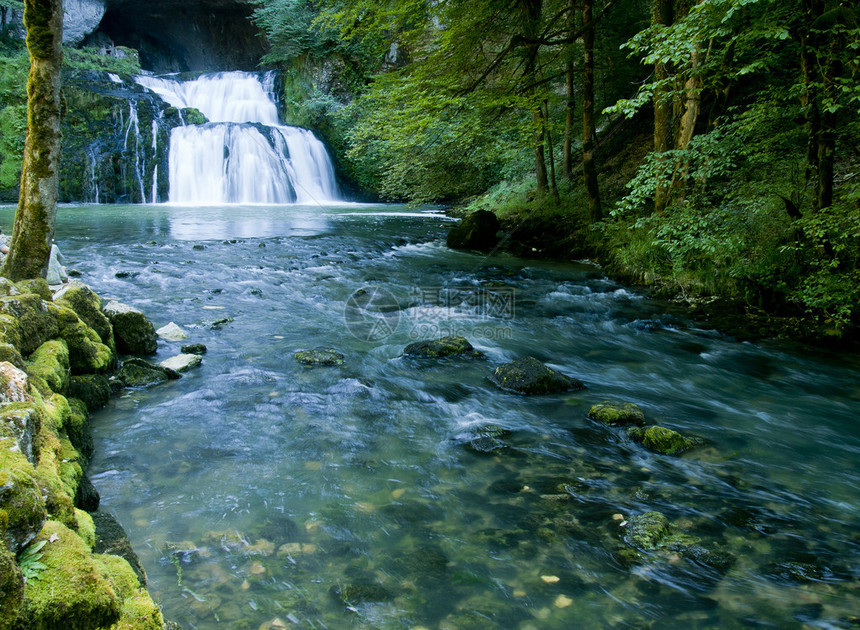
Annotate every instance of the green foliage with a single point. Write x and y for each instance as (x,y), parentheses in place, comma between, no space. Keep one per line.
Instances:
(29,561)
(92,59)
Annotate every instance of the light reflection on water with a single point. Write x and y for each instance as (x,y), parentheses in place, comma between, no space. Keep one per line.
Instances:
(273,484)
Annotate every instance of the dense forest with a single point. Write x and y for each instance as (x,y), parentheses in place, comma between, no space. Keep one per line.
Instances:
(709,148)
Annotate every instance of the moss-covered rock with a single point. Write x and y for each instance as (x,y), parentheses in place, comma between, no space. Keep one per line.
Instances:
(11,588)
(484,439)
(7,287)
(646,532)
(617,414)
(74,591)
(22,422)
(112,539)
(319,356)
(478,231)
(22,510)
(58,482)
(662,440)
(14,384)
(133,332)
(36,286)
(136,372)
(93,389)
(36,323)
(359,592)
(77,425)
(86,528)
(88,307)
(443,347)
(87,354)
(10,332)
(50,362)
(528,376)
(87,497)
(194,348)
(139,612)
(10,354)
(124,578)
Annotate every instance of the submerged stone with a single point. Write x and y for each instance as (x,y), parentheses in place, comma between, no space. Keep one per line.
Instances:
(528,376)
(617,414)
(484,440)
(133,332)
(359,593)
(320,356)
(194,348)
(662,440)
(646,532)
(478,231)
(444,347)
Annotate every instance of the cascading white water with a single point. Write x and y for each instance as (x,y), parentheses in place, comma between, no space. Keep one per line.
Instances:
(243,154)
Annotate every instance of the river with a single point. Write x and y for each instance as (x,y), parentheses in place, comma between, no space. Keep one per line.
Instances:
(256,489)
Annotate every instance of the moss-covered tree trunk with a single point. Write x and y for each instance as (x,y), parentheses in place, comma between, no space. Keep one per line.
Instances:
(33,230)
(661,15)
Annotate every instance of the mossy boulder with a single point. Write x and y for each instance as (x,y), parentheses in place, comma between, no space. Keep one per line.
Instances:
(93,389)
(11,588)
(112,539)
(88,307)
(319,356)
(617,414)
(194,348)
(77,425)
(355,593)
(477,231)
(139,612)
(10,354)
(443,347)
(36,286)
(10,331)
(22,422)
(87,497)
(87,353)
(36,323)
(14,384)
(22,509)
(528,376)
(662,440)
(7,287)
(74,591)
(50,362)
(136,372)
(133,332)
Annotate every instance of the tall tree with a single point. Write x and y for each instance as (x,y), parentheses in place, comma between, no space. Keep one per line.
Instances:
(661,17)
(33,229)
(589,132)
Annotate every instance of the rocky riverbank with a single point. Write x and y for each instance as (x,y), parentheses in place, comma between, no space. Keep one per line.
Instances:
(63,564)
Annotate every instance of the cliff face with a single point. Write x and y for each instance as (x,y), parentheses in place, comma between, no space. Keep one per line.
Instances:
(171,35)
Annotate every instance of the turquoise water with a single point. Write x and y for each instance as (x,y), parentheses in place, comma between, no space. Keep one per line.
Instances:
(260,493)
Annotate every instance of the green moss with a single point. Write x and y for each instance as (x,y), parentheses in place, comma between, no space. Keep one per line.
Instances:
(444,347)
(323,356)
(87,354)
(139,612)
(50,362)
(88,307)
(74,592)
(10,354)
(646,532)
(662,440)
(10,332)
(92,389)
(11,587)
(529,376)
(22,510)
(616,414)
(36,324)
(86,528)
(121,574)
(194,116)
(36,286)
(59,497)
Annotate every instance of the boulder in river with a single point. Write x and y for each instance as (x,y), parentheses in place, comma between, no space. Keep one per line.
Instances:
(444,347)
(93,389)
(133,332)
(478,231)
(529,376)
(136,372)
(182,362)
(616,414)
(662,440)
(319,356)
(172,332)
(484,440)
(194,348)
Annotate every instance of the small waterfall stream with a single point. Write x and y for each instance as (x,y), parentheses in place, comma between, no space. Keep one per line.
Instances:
(243,154)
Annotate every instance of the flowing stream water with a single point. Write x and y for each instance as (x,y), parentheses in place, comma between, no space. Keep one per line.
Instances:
(256,489)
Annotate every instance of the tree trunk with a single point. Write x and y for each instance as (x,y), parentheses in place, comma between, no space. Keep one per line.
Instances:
(540,161)
(570,105)
(826,153)
(661,15)
(553,184)
(812,9)
(33,229)
(531,12)
(595,212)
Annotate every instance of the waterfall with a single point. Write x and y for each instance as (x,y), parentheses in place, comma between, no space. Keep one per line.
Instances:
(243,154)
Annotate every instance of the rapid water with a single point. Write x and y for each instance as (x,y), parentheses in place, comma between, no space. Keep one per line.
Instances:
(243,154)
(254,487)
